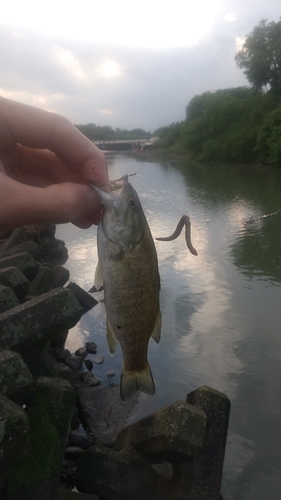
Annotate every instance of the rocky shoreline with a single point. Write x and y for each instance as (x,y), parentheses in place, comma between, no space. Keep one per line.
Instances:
(60,430)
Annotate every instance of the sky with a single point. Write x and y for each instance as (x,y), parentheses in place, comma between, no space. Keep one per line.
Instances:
(122,63)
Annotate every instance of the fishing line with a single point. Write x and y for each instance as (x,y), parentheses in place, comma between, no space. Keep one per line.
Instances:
(158,190)
(184,221)
(249,221)
(252,219)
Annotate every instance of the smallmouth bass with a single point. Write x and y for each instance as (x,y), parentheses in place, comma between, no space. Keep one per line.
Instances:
(128,271)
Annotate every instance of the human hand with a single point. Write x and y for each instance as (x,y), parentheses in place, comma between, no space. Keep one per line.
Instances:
(45,166)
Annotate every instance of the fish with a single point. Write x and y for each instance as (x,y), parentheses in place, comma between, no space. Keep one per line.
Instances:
(128,271)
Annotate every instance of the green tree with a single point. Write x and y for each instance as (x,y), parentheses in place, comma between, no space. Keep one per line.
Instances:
(225,126)
(268,144)
(170,137)
(260,57)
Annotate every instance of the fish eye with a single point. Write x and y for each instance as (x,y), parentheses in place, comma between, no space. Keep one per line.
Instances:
(132,203)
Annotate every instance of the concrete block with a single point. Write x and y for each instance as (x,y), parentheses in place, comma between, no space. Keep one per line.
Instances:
(16,381)
(28,246)
(35,322)
(176,433)
(60,276)
(58,254)
(24,262)
(40,363)
(8,298)
(18,236)
(49,230)
(14,429)
(42,282)
(15,279)
(50,410)
(59,340)
(86,300)
(101,410)
(119,476)
(64,372)
(205,481)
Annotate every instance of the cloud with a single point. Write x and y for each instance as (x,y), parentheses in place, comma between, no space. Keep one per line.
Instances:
(230,17)
(125,86)
(152,24)
(109,69)
(141,87)
(69,62)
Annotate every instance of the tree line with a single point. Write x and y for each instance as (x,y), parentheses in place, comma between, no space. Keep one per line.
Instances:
(106,133)
(238,124)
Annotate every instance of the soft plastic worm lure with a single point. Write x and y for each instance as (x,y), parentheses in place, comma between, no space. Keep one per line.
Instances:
(184,221)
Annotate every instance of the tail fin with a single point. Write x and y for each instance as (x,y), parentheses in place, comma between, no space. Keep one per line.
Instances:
(131,382)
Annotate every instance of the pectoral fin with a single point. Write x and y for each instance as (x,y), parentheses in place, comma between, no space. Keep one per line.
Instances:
(156,334)
(110,339)
(98,281)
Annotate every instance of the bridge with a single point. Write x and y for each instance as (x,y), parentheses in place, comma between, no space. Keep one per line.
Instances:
(125,145)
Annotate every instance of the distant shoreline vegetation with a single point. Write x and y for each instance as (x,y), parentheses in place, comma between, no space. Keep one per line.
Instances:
(240,124)
(232,125)
(106,133)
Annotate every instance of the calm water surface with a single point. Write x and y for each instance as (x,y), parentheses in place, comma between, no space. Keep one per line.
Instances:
(221,310)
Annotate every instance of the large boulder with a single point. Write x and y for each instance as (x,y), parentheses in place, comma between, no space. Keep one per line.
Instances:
(18,236)
(26,247)
(24,262)
(8,298)
(35,322)
(120,476)
(204,483)
(103,412)
(14,433)
(42,282)
(176,433)
(14,279)
(50,411)
(86,300)
(16,381)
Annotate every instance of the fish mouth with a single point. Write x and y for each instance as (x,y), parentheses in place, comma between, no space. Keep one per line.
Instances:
(108,198)
(120,183)
(110,185)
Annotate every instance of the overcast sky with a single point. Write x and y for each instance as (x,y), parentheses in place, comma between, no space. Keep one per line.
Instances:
(123,63)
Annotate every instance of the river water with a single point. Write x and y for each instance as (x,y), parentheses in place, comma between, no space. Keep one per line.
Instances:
(221,310)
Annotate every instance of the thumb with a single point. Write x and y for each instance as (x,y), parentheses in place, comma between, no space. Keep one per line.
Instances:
(58,203)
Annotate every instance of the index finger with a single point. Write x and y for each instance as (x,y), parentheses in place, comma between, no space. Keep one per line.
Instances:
(35,128)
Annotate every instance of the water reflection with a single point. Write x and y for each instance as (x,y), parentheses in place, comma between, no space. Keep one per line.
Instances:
(221,310)
(257,250)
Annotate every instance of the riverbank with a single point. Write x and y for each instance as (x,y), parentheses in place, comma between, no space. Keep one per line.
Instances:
(45,390)
(162,155)
(60,428)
